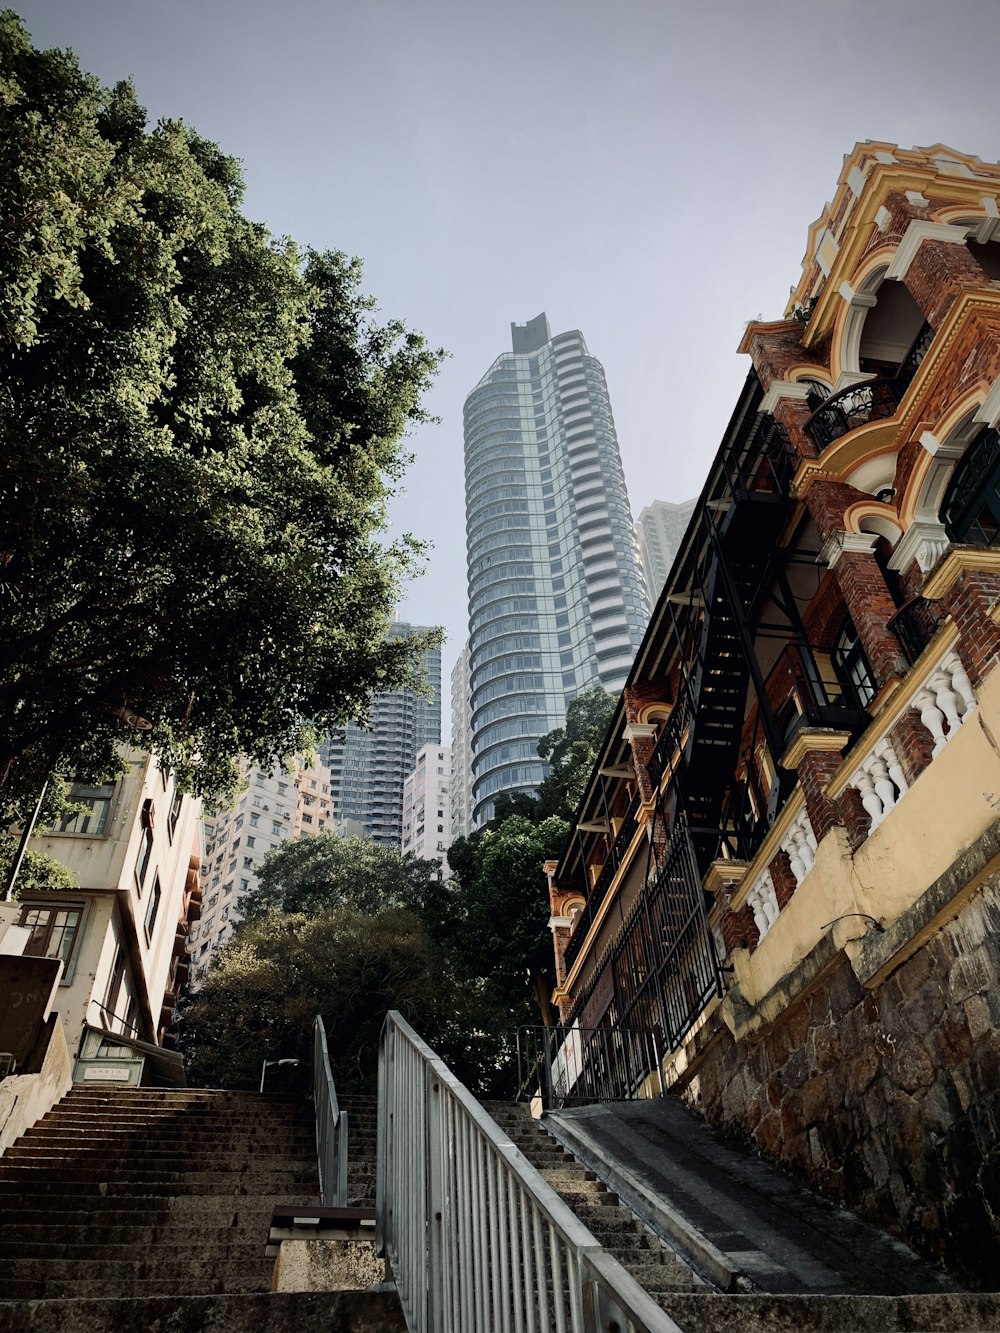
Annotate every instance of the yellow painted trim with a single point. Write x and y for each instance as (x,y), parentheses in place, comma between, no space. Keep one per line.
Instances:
(769,848)
(895,706)
(612,893)
(957,561)
(724,873)
(809,740)
(854,516)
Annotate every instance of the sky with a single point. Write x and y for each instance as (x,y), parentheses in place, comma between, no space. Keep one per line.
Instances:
(642,170)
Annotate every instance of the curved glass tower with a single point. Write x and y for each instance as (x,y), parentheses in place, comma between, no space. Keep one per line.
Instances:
(556,596)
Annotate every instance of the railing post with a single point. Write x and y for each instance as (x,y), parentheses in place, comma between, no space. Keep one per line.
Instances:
(434,1159)
(382,1141)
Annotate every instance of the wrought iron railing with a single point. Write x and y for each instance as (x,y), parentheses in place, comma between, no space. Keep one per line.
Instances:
(915,624)
(331,1125)
(475,1238)
(911,362)
(577,1066)
(855,406)
(664,967)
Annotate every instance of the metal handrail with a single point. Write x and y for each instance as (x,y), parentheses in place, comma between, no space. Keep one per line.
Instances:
(476,1239)
(331,1125)
(574,1066)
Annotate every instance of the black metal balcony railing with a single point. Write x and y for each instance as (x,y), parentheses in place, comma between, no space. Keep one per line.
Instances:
(911,362)
(860,404)
(915,624)
(619,850)
(857,405)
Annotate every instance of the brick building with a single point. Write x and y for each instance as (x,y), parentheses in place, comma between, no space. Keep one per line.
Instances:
(786,863)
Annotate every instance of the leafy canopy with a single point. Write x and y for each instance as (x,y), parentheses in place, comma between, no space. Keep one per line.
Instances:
(200,428)
(266,986)
(312,875)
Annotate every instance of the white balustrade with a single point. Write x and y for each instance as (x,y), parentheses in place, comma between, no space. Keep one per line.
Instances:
(946,700)
(800,845)
(763,902)
(943,703)
(881,781)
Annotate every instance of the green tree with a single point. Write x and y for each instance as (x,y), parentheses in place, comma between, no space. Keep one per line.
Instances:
(261,996)
(571,751)
(312,875)
(268,983)
(504,906)
(200,429)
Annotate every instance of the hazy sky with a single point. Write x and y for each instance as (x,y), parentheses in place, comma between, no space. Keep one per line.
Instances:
(642,171)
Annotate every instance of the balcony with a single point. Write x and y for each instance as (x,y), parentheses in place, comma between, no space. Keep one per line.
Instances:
(860,404)
(619,851)
(857,405)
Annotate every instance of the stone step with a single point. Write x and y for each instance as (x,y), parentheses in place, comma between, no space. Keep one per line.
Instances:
(27,1185)
(62,1147)
(134,1285)
(32,1238)
(710,1312)
(57,1204)
(285,1312)
(184,1246)
(54,1158)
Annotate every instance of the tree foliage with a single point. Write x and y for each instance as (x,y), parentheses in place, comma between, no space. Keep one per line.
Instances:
(200,429)
(312,875)
(572,750)
(261,996)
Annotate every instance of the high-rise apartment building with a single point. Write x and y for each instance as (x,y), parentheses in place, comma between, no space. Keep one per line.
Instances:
(556,595)
(461,748)
(368,765)
(427,805)
(275,807)
(659,531)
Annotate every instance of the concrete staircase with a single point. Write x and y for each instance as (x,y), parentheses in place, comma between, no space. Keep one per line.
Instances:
(362,1119)
(656,1267)
(133,1208)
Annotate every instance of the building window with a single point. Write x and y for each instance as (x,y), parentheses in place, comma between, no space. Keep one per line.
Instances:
(144,857)
(852,670)
(54,931)
(971,509)
(92,821)
(110,1013)
(175,814)
(254,820)
(153,908)
(251,840)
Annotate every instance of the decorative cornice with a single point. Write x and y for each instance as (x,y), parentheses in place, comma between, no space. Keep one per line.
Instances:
(958,561)
(724,873)
(913,238)
(810,740)
(925,541)
(839,542)
(639,731)
(791,389)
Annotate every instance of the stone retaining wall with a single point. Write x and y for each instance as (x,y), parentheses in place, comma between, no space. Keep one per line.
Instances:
(887,1099)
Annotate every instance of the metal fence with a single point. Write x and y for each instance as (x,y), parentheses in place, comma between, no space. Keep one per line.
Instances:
(477,1240)
(575,1066)
(331,1126)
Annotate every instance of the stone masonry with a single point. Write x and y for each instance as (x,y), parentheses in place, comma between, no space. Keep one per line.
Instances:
(887,1099)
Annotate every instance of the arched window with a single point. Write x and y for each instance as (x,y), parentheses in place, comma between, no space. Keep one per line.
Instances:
(971,509)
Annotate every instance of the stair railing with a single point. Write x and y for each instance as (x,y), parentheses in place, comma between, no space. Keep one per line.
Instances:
(476,1239)
(331,1125)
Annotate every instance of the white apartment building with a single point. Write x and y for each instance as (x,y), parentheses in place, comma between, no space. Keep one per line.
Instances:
(427,805)
(659,531)
(274,807)
(121,936)
(461,747)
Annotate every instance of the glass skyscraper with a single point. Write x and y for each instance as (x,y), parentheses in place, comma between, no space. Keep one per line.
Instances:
(369,765)
(556,594)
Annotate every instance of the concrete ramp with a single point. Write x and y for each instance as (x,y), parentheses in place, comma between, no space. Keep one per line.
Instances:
(741,1222)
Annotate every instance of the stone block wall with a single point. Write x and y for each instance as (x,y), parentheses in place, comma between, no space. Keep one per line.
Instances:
(886,1099)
